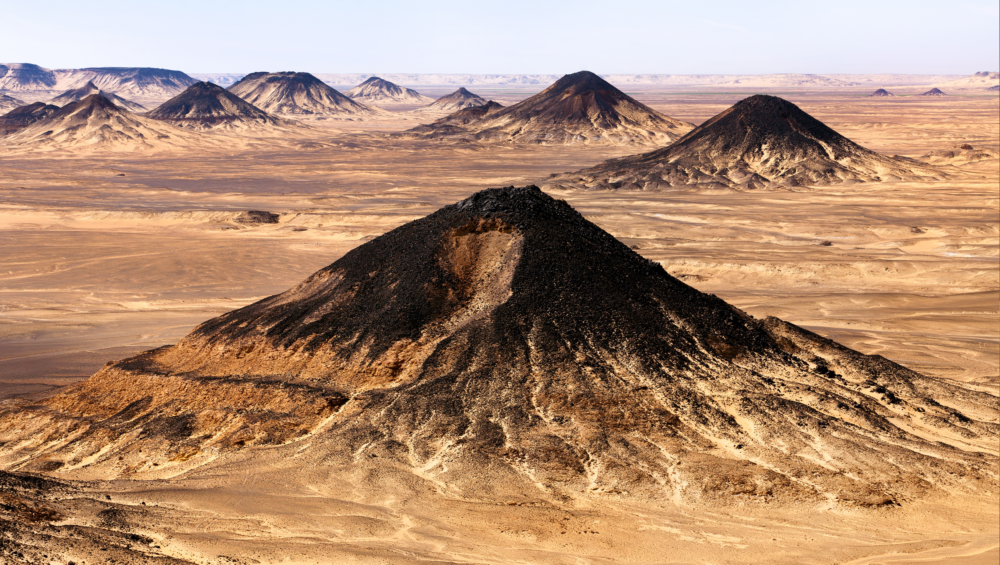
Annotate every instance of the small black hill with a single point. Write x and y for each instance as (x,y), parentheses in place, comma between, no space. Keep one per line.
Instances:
(205,105)
(24,116)
(760,140)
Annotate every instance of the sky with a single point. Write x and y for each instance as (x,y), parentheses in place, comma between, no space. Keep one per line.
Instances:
(501,37)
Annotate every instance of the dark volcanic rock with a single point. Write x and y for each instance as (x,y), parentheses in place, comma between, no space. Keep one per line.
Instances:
(20,118)
(296,93)
(934,92)
(760,141)
(506,340)
(205,105)
(578,108)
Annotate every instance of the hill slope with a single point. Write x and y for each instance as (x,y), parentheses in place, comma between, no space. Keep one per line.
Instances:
(297,94)
(94,122)
(208,106)
(761,140)
(8,103)
(578,108)
(505,343)
(22,117)
(86,90)
(458,100)
(382,92)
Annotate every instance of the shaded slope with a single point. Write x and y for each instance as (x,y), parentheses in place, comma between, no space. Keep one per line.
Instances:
(8,103)
(25,77)
(454,123)
(140,81)
(208,106)
(20,118)
(94,122)
(297,94)
(506,343)
(86,90)
(578,108)
(382,92)
(760,141)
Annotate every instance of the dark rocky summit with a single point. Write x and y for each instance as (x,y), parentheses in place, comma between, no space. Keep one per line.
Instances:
(506,340)
(296,93)
(934,92)
(881,93)
(578,108)
(205,105)
(760,141)
(458,100)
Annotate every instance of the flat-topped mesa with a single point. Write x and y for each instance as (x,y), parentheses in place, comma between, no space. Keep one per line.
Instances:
(208,106)
(760,141)
(377,91)
(77,94)
(94,122)
(581,108)
(506,342)
(458,100)
(22,117)
(297,94)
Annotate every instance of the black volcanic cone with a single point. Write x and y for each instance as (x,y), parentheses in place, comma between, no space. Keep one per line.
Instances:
(760,140)
(206,105)
(24,116)
(578,108)
(881,93)
(458,100)
(295,93)
(933,92)
(505,342)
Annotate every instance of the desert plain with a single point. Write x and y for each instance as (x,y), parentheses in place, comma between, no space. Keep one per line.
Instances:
(104,254)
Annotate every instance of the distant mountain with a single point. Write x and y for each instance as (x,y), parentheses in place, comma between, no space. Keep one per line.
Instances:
(980,80)
(133,82)
(578,108)
(933,92)
(455,101)
(760,141)
(86,90)
(23,116)
(960,155)
(994,88)
(382,92)
(8,103)
(208,106)
(222,79)
(881,93)
(94,122)
(297,94)
(25,76)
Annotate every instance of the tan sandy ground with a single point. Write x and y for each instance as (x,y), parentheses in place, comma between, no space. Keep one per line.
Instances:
(95,266)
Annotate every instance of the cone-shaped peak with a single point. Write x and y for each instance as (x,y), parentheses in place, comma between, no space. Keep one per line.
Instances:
(207,105)
(295,93)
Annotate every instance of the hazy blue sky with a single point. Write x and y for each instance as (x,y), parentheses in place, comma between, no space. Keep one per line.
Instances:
(613,36)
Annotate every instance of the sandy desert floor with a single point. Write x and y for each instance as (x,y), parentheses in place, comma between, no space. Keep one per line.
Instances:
(102,256)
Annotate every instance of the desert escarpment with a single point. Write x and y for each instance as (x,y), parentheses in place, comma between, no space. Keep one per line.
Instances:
(760,141)
(580,108)
(507,341)
(297,94)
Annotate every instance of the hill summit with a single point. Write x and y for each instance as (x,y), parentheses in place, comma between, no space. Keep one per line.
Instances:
(881,93)
(86,90)
(204,105)
(506,343)
(934,92)
(578,108)
(378,91)
(458,100)
(760,141)
(23,116)
(94,122)
(297,94)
